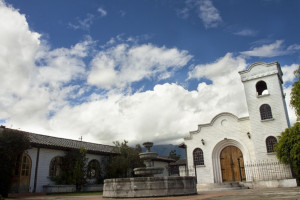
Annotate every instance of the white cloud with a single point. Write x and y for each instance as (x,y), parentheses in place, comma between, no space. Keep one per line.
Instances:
(85,23)
(209,14)
(165,114)
(34,79)
(246,32)
(38,83)
(102,12)
(268,50)
(18,47)
(226,93)
(288,72)
(123,64)
(294,47)
(206,11)
(288,79)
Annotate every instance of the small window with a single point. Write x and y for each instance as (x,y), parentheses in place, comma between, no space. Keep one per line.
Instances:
(198,157)
(265,112)
(270,144)
(55,167)
(93,169)
(26,165)
(261,88)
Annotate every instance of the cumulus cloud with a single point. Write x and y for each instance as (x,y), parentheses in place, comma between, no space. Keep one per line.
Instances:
(288,79)
(34,79)
(50,91)
(226,93)
(165,114)
(288,73)
(118,66)
(18,47)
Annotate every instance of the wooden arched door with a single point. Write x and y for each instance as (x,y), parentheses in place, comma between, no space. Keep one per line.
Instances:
(232,164)
(25,173)
(21,178)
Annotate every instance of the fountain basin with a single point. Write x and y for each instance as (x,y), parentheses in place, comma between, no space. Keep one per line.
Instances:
(149,187)
(149,171)
(148,155)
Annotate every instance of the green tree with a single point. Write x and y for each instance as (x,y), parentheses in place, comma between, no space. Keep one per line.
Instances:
(122,165)
(173,155)
(12,144)
(74,169)
(288,149)
(295,93)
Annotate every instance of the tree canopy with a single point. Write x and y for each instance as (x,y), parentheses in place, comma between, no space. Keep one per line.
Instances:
(122,165)
(295,93)
(74,169)
(12,144)
(288,148)
(173,155)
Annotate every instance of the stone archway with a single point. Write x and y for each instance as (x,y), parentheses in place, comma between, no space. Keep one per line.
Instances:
(217,171)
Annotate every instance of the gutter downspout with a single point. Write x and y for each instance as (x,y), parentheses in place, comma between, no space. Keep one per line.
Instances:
(36,169)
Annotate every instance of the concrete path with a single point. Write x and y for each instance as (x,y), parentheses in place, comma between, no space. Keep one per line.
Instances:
(261,194)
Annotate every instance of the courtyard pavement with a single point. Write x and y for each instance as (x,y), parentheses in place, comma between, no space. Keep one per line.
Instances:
(259,194)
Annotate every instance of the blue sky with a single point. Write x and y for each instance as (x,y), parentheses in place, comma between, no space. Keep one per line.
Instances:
(136,70)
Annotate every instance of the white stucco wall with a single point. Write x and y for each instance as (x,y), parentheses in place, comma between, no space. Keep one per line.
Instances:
(163,165)
(261,129)
(226,129)
(45,157)
(182,170)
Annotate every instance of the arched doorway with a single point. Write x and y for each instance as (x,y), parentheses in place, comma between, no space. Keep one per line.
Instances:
(232,164)
(21,178)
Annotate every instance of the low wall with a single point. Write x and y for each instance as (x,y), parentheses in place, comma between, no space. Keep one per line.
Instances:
(272,183)
(93,188)
(49,189)
(149,187)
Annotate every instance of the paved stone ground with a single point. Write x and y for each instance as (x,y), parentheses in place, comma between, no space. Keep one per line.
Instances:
(259,194)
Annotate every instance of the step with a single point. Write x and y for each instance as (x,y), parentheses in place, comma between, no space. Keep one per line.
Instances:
(221,186)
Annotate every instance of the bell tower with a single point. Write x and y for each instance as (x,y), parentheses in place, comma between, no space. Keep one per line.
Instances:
(266,104)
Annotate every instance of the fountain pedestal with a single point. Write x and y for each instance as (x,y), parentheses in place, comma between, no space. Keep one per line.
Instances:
(149,186)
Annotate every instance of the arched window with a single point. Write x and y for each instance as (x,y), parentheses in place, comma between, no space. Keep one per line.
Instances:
(93,169)
(265,112)
(198,156)
(55,166)
(261,88)
(270,144)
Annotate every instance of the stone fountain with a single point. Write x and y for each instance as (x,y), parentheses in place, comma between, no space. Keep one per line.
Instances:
(148,156)
(147,185)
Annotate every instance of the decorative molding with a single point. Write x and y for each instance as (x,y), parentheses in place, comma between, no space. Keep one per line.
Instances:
(213,121)
(247,75)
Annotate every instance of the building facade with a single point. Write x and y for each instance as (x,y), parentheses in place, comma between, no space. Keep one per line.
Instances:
(37,166)
(232,149)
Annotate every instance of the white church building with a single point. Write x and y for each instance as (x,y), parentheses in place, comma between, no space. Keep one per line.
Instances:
(232,149)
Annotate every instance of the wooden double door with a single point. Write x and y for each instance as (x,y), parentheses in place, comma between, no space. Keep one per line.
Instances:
(232,164)
(21,174)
